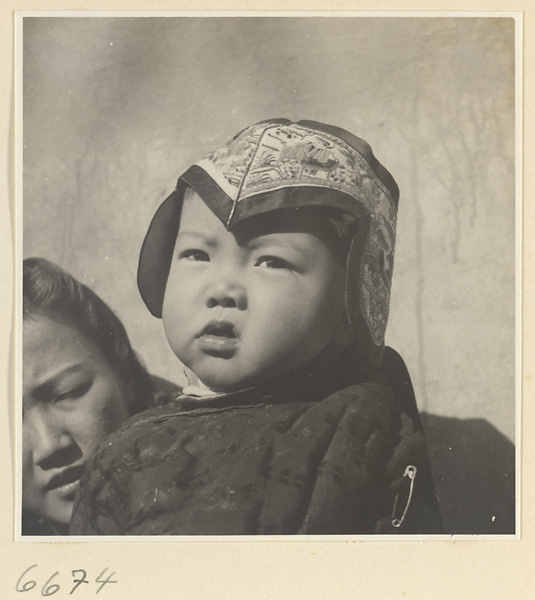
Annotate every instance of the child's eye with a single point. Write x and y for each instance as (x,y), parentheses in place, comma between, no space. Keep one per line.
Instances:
(272,262)
(194,255)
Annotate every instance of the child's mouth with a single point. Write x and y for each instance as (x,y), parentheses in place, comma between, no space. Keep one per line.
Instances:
(219,338)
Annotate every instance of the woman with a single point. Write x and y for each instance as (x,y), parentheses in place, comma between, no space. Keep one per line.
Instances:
(81,380)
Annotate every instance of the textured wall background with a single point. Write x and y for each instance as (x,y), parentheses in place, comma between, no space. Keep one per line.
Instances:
(116,108)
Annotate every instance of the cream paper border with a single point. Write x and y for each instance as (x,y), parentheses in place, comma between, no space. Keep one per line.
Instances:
(341,567)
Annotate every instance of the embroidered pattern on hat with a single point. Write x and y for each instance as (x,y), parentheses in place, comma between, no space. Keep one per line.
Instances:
(266,158)
(376,269)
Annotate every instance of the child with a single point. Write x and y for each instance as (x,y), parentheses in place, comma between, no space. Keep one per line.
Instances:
(271,267)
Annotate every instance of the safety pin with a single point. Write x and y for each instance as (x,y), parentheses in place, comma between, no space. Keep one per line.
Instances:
(410,472)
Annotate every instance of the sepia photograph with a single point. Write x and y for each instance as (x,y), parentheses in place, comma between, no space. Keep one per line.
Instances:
(266,300)
(268,276)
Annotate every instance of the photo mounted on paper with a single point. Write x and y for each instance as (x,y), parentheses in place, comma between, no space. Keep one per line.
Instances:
(268,278)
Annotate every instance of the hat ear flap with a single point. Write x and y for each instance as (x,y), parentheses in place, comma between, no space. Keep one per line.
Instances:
(366,306)
(157,251)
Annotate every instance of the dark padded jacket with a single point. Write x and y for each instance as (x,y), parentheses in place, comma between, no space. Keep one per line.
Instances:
(329,448)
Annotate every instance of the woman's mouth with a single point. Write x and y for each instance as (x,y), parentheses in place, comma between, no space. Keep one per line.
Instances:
(219,338)
(66,482)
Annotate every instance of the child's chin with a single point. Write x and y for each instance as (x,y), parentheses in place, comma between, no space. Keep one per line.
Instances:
(224,385)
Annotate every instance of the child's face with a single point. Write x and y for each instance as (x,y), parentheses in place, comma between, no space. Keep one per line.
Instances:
(244,306)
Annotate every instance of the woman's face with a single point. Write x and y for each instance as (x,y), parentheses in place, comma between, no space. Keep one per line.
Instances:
(72,398)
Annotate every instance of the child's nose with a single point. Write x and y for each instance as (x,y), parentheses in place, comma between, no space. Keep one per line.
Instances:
(227,293)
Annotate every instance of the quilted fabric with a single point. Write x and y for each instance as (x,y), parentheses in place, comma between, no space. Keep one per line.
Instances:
(263,462)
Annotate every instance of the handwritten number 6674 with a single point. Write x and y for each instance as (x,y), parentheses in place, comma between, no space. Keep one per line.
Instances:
(49,588)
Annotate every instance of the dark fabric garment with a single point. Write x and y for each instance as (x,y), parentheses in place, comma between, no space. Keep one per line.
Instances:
(32,525)
(474,472)
(322,450)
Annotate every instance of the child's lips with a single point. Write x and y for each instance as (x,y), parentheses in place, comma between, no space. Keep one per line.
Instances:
(219,338)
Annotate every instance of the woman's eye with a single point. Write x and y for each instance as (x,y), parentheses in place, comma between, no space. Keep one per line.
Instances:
(272,262)
(74,392)
(195,255)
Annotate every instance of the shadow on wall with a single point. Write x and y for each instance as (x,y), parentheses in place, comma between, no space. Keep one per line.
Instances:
(474,471)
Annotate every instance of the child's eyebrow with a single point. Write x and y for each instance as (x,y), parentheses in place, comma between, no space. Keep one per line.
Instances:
(281,241)
(205,238)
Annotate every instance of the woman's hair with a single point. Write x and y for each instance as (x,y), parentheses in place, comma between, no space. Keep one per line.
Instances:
(50,291)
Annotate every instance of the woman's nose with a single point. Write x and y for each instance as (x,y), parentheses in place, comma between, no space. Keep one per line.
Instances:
(52,445)
(227,292)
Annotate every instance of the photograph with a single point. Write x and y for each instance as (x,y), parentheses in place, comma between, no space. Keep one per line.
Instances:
(268,279)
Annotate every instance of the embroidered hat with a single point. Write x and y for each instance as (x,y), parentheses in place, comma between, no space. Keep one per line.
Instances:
(278,164)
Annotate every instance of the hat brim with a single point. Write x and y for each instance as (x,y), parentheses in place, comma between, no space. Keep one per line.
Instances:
(157,251)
